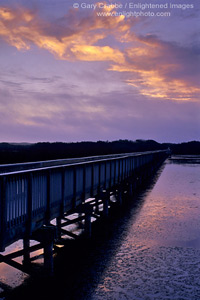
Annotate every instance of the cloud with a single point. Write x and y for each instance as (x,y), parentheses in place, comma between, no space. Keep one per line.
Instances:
(21,28)
(162,69)
(155,68)
(64,116)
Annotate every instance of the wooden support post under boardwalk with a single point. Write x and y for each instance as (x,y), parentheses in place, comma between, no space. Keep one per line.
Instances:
(134,183)
(88,214)
(130,189)
(106,199)
(80,224)
(58,224)
(48,258)
(97,205)
(120,191)
(26,245)
(46,236)
(49,235)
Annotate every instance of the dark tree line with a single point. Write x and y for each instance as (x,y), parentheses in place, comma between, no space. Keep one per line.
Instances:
(12,153)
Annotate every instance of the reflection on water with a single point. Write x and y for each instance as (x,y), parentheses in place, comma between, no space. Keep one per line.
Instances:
(159,257)
(184,159)
(150,252)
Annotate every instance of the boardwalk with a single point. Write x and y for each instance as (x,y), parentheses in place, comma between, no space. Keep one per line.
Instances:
(32,195)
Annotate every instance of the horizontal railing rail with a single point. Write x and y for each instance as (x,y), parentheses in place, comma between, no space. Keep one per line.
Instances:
(7,168)
(32,194)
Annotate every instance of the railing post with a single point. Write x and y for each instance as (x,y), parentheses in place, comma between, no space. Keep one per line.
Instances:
(84,182)
(92,180)
(26,240)
(63,193)
(99,184)
(74,188)
(29,205)
(48,207)
(3,213)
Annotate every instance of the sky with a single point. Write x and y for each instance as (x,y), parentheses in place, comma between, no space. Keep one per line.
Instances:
(86,71)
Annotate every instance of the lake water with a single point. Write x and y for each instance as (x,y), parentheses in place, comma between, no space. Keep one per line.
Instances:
(150,251)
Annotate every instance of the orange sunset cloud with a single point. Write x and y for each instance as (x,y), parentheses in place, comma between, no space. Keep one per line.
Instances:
(142,59)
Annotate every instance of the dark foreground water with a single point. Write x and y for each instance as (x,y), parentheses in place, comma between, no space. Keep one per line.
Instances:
(149,251)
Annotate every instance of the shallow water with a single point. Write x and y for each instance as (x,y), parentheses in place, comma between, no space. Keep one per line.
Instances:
(150,251)
(159,256)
